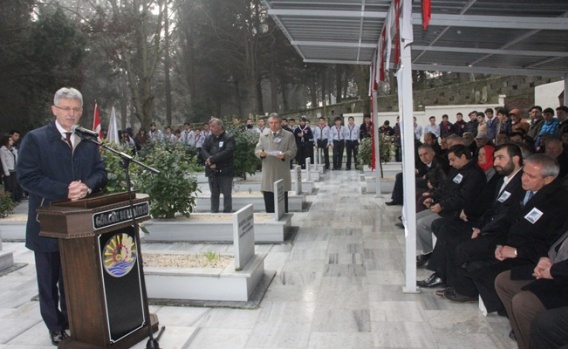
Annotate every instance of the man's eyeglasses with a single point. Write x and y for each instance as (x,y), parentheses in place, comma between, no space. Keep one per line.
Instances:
(68,109)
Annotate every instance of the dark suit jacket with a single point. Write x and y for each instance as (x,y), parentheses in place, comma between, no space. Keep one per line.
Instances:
(456,194)
(46,166)
(221,150)
(553,293)
(531,240)
(494,219)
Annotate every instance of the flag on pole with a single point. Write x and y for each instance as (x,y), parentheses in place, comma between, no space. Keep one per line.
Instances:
(112,135)
(426,13)
(97,122)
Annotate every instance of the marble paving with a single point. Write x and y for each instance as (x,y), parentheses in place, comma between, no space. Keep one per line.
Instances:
(338,285)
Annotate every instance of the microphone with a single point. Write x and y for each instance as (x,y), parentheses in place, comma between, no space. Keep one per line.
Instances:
(83,132)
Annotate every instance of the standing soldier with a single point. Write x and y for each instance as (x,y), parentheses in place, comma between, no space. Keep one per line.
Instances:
(303,135)
(351,135)
(321,135)
(336,137)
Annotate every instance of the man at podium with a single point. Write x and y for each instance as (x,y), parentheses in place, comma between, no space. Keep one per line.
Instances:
(54,165)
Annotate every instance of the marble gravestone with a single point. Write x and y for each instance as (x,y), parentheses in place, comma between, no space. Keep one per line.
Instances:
(279,204)
(243,236)
(298,175)
(308,165)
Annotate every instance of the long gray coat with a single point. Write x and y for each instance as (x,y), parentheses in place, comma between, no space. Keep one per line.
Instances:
(273,168)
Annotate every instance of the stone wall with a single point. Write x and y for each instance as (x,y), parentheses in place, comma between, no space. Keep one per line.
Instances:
(518,89)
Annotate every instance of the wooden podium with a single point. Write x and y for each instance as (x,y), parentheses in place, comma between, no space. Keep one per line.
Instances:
(100,249)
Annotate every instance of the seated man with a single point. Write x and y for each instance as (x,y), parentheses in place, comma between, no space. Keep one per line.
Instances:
(451,232)
(465,180)
(532,226)
(524,297)
(397,192)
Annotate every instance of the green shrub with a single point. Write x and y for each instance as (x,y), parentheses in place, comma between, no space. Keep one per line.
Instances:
(172,191)
(245,160)
(7,206)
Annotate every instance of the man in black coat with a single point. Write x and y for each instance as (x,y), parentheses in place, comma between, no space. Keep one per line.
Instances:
(524,297)
(464,182)
(218,151)
(481,231)
(531,228)
(304,142)
(54,164)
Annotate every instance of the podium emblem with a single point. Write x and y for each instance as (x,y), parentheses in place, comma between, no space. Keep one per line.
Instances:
(119,255)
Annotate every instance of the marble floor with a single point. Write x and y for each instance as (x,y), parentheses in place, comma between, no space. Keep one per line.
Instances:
(338,285)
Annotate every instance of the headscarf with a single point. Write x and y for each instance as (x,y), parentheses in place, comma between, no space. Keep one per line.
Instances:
(489,150)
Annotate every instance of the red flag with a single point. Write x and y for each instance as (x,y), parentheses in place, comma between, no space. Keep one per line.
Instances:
(397,35)
(426,13)
(97,122)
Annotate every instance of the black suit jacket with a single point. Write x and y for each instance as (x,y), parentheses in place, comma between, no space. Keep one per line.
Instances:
(494,219)
(553,293)
(532,240)
(46,166)
(460,190)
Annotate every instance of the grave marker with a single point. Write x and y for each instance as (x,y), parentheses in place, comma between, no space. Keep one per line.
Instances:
(279,200)
(298,175)
(243,236)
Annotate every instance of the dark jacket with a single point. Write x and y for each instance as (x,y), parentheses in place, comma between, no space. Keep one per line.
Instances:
(307,137)
(494,219)
(553,293)
(45,168)
(530,239)
(471,126)
(437,173)
(221,151)
(460,190)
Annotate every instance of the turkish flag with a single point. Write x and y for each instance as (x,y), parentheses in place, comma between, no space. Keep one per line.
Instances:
(426,12)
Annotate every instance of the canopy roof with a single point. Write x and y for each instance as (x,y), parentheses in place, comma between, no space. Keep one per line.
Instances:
(521,37)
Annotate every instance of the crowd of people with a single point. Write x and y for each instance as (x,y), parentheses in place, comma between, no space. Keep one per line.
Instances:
(491,199)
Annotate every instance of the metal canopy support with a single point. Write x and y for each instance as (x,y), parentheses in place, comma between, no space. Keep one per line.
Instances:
(487,70)
(376,145)
(327,13)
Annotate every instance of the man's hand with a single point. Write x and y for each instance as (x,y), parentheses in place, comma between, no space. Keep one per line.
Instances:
(262,154)
(498,253)
(463,216)
(428,202)
(504,252)
(436,208)
(542,269)
(280,155)
(77,190)
(475,233)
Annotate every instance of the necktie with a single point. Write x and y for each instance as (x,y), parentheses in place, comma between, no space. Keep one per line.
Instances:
(528,196)
(68,139)
(274,134)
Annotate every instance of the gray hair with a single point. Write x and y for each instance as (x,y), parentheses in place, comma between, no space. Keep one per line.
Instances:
(550,167)
(275,115)
(67,93)
(219,122)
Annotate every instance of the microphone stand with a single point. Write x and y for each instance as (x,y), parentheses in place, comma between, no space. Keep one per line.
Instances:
(125,161)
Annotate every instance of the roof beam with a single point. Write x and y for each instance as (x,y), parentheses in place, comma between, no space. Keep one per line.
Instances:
(333,44)
(327,13)
(490,51)
(495,22)
(337,61)
(487,70)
